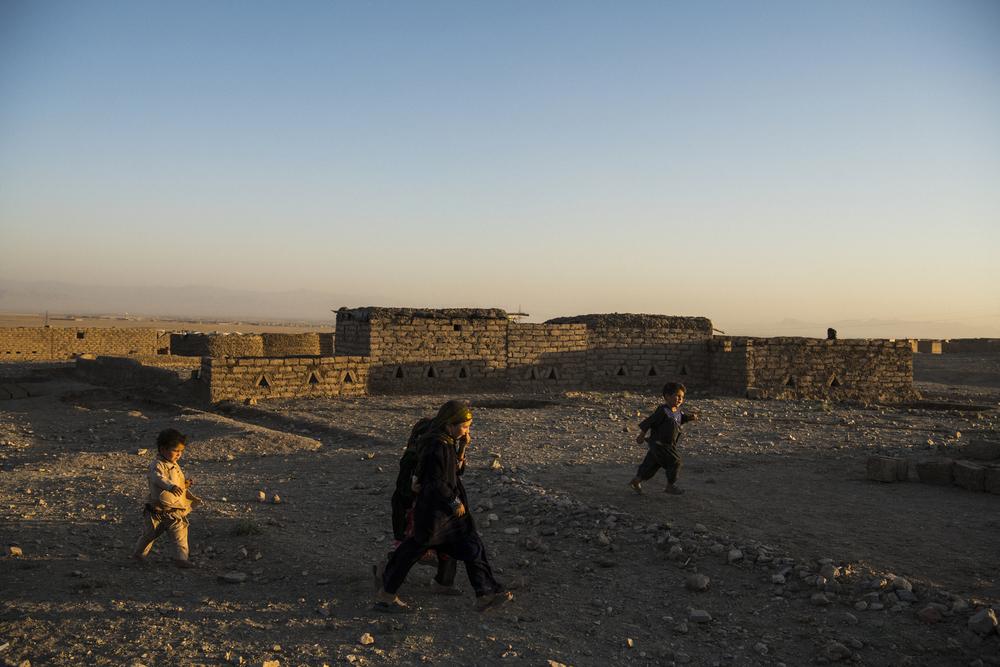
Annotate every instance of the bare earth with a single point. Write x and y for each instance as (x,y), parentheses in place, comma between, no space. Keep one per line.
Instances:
(590,561)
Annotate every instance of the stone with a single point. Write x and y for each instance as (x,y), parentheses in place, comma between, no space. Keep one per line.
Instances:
(983,621)
(675,553)
(835,651)
(697,582)
(819,599)
(366,639)
(935,471)
(887,469)
(261,497)
(141,452)
(699,616)
(971,476)
(982,450)
(513,530)
(233,577)
(861,605)
(14,551)
(276,499)
(778,579)
(734,556)
(930,614)
(603,539)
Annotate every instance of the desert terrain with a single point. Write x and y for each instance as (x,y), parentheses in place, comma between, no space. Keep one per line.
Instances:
(780,552)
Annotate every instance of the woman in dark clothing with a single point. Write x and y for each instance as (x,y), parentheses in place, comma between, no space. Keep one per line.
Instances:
(441,520)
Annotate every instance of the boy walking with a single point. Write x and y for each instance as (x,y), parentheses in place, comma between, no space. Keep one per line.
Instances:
(169,500)
(664,428)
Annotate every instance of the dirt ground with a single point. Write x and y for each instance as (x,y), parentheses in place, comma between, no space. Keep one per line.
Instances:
(806,561)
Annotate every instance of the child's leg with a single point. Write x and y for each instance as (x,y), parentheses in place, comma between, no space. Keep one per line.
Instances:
(152,528)
(178,529)
(670,460)
(649,465)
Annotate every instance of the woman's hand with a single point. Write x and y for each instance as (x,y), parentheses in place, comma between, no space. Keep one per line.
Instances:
(460,510)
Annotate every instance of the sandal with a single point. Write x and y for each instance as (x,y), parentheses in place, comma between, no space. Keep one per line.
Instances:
(636,485)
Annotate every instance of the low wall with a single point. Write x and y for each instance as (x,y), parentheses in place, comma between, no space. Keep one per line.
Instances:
(217,344)
(541,356)
(810,368)
(52,343)
(153,372)
(257,378)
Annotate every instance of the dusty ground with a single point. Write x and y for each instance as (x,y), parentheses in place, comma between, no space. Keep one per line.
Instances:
(599,573)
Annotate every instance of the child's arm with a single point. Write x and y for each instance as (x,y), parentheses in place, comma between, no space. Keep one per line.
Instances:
(162,482)
(689,417)
(646,425)
(642,436)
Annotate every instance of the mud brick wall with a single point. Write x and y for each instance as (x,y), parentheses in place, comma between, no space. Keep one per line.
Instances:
(327,344)
(50,343)
(646,351)
(540,356)
(259,378)
(290,345)
(426,350)
(151,372)
(217,345)
(811,368)
(728,365)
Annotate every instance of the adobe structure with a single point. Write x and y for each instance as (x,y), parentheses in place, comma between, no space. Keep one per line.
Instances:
(467,350)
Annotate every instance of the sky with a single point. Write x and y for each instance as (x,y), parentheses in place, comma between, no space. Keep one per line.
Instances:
(757,163)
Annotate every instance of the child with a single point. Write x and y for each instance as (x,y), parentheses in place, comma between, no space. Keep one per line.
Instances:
(170,500)
(665,431)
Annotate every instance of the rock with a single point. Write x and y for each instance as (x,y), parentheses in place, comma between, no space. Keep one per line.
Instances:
(233,577)
(699,616)
(983,621)
(603,539)
(887,469)
(861,605)
(700,528)
(261,497)
(819,599)
(266,663)
(828,571)
(930,614)
(675,553)
(761,648)
(935,471)
(848,618)
(835,651)
(906,596)
(513,530)
(734,556)
(141,452)
(14,551)
(970,476)
(629,642)
(366,639)
(697,582)
(276,499)
(778,579)
(983,450)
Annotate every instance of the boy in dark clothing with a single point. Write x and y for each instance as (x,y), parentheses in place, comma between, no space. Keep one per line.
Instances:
(664,427)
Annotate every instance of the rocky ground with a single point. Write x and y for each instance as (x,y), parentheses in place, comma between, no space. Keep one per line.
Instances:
(780,552)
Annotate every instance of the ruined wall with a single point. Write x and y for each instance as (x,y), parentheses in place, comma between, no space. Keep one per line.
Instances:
(258,378)
(291,344)
(542,356)
(812,368)
(217,345)
(426,350)
(50,343)
(645,351)
(161,372)
(728,368)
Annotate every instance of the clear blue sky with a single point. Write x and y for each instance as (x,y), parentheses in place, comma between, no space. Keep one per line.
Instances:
(747,161)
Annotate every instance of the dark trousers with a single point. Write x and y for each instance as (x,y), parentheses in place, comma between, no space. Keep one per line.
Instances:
(469,550)
(400,506)
(660,455)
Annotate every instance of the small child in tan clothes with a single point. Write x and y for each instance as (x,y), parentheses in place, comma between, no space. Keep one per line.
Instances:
(169,501)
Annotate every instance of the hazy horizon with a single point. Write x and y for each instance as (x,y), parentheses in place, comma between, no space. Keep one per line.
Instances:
(754,163)
(314,307)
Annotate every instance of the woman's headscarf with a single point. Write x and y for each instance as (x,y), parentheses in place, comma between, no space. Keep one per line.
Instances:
(451,413)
